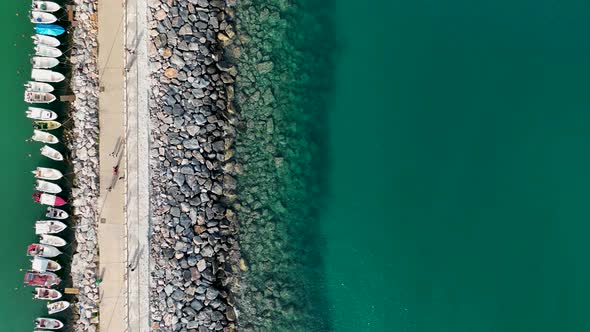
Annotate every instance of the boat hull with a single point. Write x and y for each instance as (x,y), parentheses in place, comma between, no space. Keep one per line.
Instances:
(38,87)
(37,113)
(46,125)
(45,40)
(55,213)
(40,17)
(52,240)
(43,137)
(42,250)
(47,187)
(39,97)
(49,227)
(44,62)
(45,6)
(48,76)
(48,52)
(42,279)
(41,264)
(58,306)
(47,294)
(48,323)
(49,29)
(51,153)
(45,173)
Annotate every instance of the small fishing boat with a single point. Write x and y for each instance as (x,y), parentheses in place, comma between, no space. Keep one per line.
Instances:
(48,51)
(47,187)
(40,114)
(44,75)
(46,125)
(45,6)
(45,173)
(43,137)
(42,17)
(38,87)
(45,40)
(49,227)
(43,62)
(49,29)
(48,199)
(52,240)
(56,213)
(48,323)
(41,264)
(39,97)
(51,153)
(42,250)
(58,306)
(42,279)
(46,294)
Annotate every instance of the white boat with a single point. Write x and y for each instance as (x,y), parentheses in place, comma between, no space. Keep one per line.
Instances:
(51,153)
(42,62)
(44,75)
(47,173)
(42,250)
(48,323)
(52,240)
(41,264)
(49,227)
(47,187)
(46,294)
(39,17)
(48,51)
(38,87)
(39,97)
(45,40)
(45,6)
(48,199)
(58,306)
(41,114)
(56,213)
(43,137)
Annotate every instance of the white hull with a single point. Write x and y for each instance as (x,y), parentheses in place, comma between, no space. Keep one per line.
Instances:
(56,307)
(45,6)
(44,75)
(47,173)
(47,187)
(39,17)
(38,87)
(48,251)
(47,51)
(41,264)
(45,40)
(39,97)
(47,294)
(49,227)
(37,113)
(48,323)
(51,153)
(52,240)
(43,137)
(41,62)
(56,213)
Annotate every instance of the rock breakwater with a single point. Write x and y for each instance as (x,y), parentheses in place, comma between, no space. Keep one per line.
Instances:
(82,141)
(193,247)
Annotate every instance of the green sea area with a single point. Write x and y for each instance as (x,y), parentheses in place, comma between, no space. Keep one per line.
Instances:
(414,165)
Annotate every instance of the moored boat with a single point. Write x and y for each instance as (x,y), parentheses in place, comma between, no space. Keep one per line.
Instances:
(49,227)
(45,6)
(44,75)
(40,114)
(47,187)
(39,97)
(43,137)
(45,173)
(40,17)
(41,264)
(51,153)
(45,40)
(38,87)
(48,52)
(56,213)
(46,294)
(46,125)
(42,279)
(52,240)
(42,250)
(58,306)
(49,29)
(44,62)
(48,323)
(48,199)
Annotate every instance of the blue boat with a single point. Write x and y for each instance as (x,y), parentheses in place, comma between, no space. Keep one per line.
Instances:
(49,29)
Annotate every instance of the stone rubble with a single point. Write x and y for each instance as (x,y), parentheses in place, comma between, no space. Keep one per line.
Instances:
(194,253)
(82,142)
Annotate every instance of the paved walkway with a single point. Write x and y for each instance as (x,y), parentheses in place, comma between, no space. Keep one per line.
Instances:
(137,132)
(111,228)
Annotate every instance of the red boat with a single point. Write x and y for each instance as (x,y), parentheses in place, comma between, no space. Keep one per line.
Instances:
(48,199)
(42,279)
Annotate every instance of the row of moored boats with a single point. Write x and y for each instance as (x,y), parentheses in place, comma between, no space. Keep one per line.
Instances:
(39,90)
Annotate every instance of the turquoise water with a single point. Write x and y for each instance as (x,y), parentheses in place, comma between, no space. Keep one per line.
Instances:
(17,309)
(437,176)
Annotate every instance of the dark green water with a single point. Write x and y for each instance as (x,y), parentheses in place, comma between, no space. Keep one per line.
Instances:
(446,164)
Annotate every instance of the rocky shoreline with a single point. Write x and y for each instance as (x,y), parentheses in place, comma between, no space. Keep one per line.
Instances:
(193,249)
(82,141)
